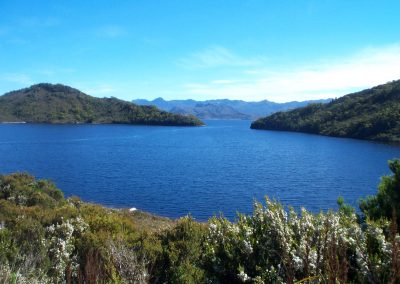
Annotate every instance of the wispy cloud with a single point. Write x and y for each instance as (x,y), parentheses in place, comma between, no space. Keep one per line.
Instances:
(223,82)
(54,71)
(39,22)
(17,41)
(111,31)
(4,30)
(326,78)
(99,90)
(18,78)
(216,56)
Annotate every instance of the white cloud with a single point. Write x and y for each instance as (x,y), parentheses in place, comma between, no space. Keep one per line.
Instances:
(326,78)
(216,56)
(99,90)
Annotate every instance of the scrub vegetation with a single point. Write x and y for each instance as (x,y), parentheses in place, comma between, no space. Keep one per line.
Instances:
(47,238)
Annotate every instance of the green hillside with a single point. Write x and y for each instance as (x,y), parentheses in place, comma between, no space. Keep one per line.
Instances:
(372,114)
(48,103)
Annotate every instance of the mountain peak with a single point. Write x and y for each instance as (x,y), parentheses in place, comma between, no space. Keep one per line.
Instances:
(159,100)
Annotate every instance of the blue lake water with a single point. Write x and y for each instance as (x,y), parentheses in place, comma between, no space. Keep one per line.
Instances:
(173,171)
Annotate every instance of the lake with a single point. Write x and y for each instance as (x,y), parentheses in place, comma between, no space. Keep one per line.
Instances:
(173,171)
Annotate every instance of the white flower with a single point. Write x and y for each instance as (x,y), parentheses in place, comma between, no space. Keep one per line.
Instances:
(247,246)
(243,276)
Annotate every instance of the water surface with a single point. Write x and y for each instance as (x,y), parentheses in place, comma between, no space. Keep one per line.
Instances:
(173,171)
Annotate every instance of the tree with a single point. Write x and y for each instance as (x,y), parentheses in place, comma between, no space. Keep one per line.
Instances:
(387,200)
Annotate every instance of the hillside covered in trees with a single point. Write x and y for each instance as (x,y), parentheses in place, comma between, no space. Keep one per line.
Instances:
(48,103)
(46,238)
(372,114)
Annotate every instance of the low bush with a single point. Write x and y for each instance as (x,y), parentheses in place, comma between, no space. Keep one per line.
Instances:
(45,238)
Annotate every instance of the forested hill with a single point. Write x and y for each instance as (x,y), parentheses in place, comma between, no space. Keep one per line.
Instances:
(48,103)
(372,114)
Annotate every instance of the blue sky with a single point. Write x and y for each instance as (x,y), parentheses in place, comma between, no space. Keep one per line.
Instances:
(179,49)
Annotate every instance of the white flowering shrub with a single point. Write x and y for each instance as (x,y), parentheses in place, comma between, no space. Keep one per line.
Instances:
(275,245)
(47,239)
(130,266)
(22,275)
(375,253)
(61,246)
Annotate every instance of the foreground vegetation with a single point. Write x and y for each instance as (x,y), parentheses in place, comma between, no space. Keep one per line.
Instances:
(45,238)
(372,114)
(48,103)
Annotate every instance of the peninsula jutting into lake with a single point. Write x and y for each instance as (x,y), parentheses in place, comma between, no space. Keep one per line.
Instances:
(372,114)
(56,103)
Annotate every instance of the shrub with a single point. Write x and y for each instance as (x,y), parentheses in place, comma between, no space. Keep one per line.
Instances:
(181,259)
(387,199)
(45,238)
(278,245)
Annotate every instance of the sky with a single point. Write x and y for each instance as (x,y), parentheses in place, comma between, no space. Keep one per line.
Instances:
(210,49)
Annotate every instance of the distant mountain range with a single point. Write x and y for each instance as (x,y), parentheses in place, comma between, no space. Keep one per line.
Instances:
(224,109)
(48,103)
(372,114)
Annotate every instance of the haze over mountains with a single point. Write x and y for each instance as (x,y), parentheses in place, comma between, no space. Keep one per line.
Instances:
(224,108)
(49,103)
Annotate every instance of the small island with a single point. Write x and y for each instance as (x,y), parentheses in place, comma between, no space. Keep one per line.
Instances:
(56,103)
(372,114)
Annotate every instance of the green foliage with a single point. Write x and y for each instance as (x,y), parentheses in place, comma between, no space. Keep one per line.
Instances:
(181,260)
(372,114)
(274,245)
(47,103)
(345,208)
(55,240)
(22,189)
(387,201)
(62,239)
